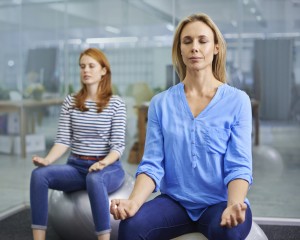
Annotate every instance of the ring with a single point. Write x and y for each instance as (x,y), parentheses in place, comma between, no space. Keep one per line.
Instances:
(115,207)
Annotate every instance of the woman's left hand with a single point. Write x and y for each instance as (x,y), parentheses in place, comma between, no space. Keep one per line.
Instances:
(234,215)
(97,166)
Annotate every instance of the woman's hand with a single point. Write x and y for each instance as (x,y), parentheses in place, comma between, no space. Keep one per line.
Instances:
(97,166)
(234,215)
(39,161)
(123,208)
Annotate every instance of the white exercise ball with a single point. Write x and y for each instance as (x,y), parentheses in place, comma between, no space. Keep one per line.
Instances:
(256,233)
(191,236)
(71,216)
(267,164)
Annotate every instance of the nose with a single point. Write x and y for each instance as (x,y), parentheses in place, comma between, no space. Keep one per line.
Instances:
(85,69)
(195,47)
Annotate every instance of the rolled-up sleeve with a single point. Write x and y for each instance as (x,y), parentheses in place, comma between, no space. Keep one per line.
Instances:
(238,157)
(153,159)
(117,140)
(64,132)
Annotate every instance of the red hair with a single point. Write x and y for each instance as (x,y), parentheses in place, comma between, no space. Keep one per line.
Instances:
(104,92)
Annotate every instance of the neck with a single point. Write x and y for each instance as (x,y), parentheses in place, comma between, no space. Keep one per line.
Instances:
(92,93)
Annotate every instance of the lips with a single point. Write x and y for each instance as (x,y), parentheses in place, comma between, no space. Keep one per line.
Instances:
(86,77)
(196,58)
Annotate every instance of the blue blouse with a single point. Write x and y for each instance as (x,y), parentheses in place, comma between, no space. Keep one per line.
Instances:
(192,159)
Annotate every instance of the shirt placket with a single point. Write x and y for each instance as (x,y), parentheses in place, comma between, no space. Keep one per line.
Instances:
(193,134)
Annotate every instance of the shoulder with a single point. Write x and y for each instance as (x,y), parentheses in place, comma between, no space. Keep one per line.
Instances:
(116,101)
(237,100)
(166,95)
(69,99)
(234,94)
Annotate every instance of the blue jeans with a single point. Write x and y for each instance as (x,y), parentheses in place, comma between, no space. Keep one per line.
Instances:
(163,218)
(74,176)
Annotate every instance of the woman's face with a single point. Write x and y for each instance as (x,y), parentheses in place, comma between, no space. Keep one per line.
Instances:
(197,46)
(91,71)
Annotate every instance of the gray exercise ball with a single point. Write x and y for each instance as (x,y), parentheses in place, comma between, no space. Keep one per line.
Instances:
(268,165)
(71,216)
(256,233)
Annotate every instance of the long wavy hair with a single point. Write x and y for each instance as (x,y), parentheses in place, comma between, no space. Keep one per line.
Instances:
(104,92)
(219,60)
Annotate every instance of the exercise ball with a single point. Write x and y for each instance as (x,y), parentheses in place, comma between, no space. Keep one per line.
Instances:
(70,213)
(267,164)
(191,236)
(256,233)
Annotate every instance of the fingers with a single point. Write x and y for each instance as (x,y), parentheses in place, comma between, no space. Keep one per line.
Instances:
(97,167)
(223,222)
(118,209)
(38,161)
(234,215)
(229,222)
(122,213)
(114,209)
(240,213)
(244,206)
(233,221)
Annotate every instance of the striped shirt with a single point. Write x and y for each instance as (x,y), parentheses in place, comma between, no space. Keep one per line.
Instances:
(90,133)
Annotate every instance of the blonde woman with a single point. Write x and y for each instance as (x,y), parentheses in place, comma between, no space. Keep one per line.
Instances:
(197,150)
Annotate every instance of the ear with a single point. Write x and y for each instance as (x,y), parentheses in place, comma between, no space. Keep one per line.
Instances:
(216,50)
(103,71)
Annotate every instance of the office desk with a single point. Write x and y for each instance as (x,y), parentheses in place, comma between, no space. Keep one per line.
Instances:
(23,108)
(137,150)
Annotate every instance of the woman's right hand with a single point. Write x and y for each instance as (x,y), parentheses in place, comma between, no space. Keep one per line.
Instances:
(123,208)
(39,161)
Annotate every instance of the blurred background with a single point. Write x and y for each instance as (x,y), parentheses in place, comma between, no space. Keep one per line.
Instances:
(41,41)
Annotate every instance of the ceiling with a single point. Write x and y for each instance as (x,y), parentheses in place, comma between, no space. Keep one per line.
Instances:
(144,18)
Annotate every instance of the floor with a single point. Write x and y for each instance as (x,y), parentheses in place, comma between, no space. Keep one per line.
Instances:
(276,166)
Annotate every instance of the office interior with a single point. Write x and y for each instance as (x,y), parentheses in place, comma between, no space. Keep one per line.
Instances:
(40,45)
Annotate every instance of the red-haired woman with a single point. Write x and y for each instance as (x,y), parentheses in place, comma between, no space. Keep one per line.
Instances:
(92,125)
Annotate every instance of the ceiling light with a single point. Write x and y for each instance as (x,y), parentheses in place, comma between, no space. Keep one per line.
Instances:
(74,41)
(112,29)
(170,27)
(258,18)
(253,10)
(234,23)
(112,40)
(246,2)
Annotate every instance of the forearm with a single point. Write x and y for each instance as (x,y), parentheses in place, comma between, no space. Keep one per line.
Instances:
(111,157)
(143,187)
(237,191)
(56,152)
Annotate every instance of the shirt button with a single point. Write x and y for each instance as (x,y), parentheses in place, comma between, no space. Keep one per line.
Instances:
(193,154)
(193,143)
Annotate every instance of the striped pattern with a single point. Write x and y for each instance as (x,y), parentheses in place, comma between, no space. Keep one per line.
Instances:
(90,133)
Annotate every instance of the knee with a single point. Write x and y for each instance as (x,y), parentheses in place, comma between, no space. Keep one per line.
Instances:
(37,174)
(94,178)
(129,229)
(225,233)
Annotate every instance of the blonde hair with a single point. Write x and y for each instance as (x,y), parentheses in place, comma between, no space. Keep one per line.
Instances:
(104,88)
(219,60)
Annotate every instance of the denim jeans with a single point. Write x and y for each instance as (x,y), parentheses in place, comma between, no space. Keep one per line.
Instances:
(70,177)
(163,218)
